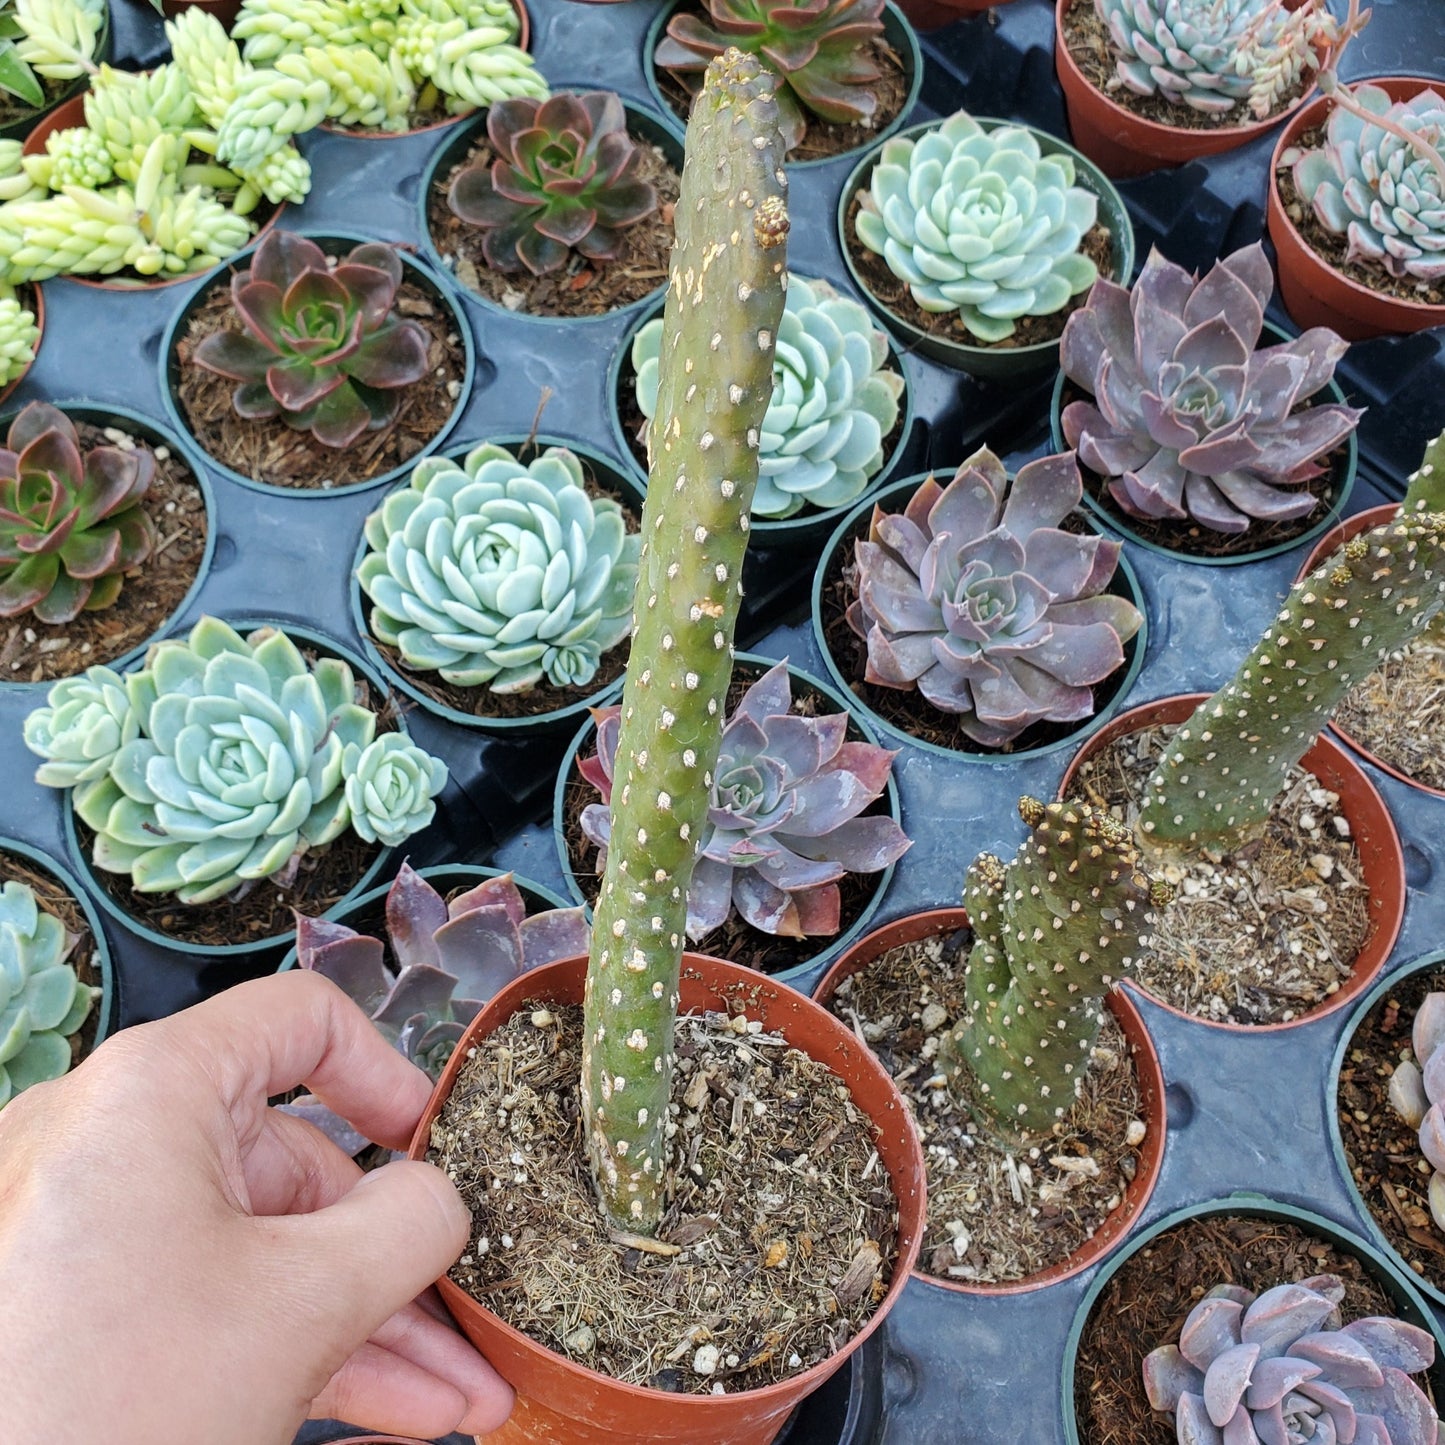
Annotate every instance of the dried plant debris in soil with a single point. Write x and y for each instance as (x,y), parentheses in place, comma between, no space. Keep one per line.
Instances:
(54,897)
(580,287)
(34,651)
(1087,38)
(1260,935)
(1381,1149)
(994,1215)
(823,138)
(1145,1304)
(779,1238)
(271,452)
(1333,249)
(1396,712)
(891,292)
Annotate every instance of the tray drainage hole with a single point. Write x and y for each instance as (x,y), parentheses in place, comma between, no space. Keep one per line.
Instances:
(900,1378)
(407,188)
(1181,1105)
(1418,867)
(225,554)
(151,347)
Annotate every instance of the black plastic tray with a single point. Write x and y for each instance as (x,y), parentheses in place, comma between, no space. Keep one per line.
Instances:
(950,1369)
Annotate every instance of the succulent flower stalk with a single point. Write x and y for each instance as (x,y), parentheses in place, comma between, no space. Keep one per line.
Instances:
(71,520)
(1053,930)
(724,303)
(42,1001)
(446,961)
(564,180)
(1417,1091)
(498,574)
(322,348)
(1191,418)
(818,49)
(835,398)
(980,222)
(1280,1367)
(974,596)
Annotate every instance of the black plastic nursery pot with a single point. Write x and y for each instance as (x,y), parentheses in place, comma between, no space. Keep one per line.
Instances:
(599,470)
(254,949)
(1039,739)
(333,243)
(898,36)
(876,883)
(133,424)
(642,126)
(1000,362)
(1343,469)
(791,535)
(1373,1266)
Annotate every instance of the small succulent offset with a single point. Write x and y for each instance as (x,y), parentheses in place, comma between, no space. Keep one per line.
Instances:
(447,960)
(71,520)
(1280,1367)
(1189,421)
(321,348)
(981,222)
(835,398)
(817,48)
(564,180)
(1383,192)
(499,574)
(976,597)
(783,822)
(42,1001)
(223,760)
(1417,1089)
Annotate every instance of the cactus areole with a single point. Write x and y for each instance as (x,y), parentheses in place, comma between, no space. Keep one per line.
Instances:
(724,303)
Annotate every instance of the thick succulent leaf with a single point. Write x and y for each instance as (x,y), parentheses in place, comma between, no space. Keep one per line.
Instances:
(395,354)
(332,1125)
(1167,1375)
(1193,1425)
(356,966)
(482,949)
(1280,1315)
(414,913)
(1393,1343)
(1427,1032)
(421,990)
(1226,1380)
(1406,1412)
(553,934)
(234,354)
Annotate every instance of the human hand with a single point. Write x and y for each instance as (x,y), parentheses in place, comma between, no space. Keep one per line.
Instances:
(179,1262)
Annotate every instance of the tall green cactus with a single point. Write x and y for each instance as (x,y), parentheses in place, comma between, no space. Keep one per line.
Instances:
(1052,931)
(724,302)
(1226,765)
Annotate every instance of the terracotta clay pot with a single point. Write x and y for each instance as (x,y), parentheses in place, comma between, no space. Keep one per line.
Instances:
(559,1401)
(1382,858)
(1123,143)
(1332,541)
(379,1440)
(1151,1088)
(935,14)
(1312,292)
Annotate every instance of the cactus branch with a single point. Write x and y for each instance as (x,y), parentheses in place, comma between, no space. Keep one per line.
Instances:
(724,302)
(1052,931)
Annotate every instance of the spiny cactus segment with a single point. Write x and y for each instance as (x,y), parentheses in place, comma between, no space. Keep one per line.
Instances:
(1053,930)
(724,303)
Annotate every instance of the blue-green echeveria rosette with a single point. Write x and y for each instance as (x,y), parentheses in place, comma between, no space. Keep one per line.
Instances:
(42,1000)
(236,761)
(835,399)
(981,222)
(88,721)
(501,574)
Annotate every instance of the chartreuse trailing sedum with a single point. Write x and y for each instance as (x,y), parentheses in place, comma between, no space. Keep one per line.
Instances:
(224,759)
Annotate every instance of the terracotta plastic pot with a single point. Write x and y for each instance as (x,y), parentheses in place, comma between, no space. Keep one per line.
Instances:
(1151,1088)
(935,14)
(1313,293)
(1332,541)
(1382,857)
(559,1401)
(1123,143)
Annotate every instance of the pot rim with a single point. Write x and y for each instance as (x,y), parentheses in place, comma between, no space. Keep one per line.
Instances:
(1367,807)
(341,239)
(161,436)
(1120,1222)
(1127,673)
(360,603)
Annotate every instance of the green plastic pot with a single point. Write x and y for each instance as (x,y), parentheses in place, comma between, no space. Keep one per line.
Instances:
(334,243)
(991,363)
(1342,480)
(1408,1304)
(808,527)
(830,947)
(233,951)
(541,723)
(21,126)
(132,421)
(1051,736)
